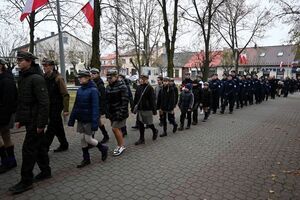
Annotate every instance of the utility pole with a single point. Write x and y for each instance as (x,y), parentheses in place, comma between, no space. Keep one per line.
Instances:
(61,44)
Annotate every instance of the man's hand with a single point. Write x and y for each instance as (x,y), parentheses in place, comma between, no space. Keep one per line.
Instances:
(40,130)
(18,125)
(66,114)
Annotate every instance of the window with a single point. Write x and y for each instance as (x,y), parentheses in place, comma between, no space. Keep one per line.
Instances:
(262,54)
(280,54)
(176,73)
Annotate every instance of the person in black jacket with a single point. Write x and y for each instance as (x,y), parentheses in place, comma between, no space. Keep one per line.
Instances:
(196,90)
(59,101)
(117,108)
(206,100)
(32,112)
(273,85)
(8,103)
(171,116)
(95,74)
(185,104)
(166,103)
(144,101)
(229,94)
(215,87)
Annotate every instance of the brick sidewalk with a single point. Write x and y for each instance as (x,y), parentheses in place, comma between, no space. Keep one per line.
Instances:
(252,154)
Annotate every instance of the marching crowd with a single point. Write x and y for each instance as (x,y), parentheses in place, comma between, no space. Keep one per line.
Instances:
(39,100)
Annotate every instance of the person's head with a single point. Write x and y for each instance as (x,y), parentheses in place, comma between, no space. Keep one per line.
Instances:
(248,76)
(112,76)
(84,76)
(187,75)
(171,82)
(224,76)
(144,79)
(214,77)
(48,65)
(95,73)
(254,76)
(188,87)
(243,77)
(159,80)
(166,81)
(205,85)
(121,77)
(25,59)
(229,77)
(233,73)
(2,65)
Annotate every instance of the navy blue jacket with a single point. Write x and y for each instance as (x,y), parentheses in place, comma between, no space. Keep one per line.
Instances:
(215,86)
(86,106)
(229,88)
(186,100)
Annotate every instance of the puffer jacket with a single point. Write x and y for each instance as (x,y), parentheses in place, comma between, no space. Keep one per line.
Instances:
(8,97)
(86,106)
(186,100)
(33,99)
(117,101)
(147,102)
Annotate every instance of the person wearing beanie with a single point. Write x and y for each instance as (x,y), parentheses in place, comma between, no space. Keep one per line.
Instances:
(95,75)
(8,102)
(196,90)
(185,104)
(86,112)
(206,100)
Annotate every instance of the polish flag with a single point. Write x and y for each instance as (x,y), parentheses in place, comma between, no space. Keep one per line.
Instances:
(88,11)
(30,6)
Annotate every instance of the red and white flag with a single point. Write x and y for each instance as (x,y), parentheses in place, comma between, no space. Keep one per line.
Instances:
(88,11)
(30,6)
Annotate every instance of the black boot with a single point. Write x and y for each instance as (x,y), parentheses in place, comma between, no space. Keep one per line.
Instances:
(104,151)
(142,136)
(175,128)
(181,127)
(205,116)
(42,176)
(105,135)
(62,148)
(20,187)
(11,159)
(4,160)
(163,134)
(86,158)
(155,134)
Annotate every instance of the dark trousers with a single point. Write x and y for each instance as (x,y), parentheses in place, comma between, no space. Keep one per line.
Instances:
(35,150)
(171,118)
(142,129)
(195,112)
(185,114)
(250,97)
(228,99)
(215,102)
(273,93)
(56,128)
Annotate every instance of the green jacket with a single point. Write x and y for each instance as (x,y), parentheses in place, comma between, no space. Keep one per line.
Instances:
(33,100)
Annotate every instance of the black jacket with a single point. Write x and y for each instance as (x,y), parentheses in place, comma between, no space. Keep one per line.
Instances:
(8,97)
(102,100)
(117,101)
(167,98)
(206,98)
(33,101)
(147,102)
(186,100)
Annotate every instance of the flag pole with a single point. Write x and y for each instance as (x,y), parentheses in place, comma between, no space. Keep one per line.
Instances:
(61,44)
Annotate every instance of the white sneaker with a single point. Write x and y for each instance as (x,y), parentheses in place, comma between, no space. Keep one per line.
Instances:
(119,150)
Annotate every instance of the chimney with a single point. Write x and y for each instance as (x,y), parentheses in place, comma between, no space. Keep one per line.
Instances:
(52,33)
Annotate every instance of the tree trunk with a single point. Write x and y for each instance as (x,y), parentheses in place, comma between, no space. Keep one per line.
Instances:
(95,61)
(206,64)
(31,27)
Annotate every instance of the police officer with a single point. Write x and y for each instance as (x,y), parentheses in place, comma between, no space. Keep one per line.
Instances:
(249,90)
(32,112)
(59,101)
(237,90)
(229,94)
(257,89)
(215,86)
(95,74)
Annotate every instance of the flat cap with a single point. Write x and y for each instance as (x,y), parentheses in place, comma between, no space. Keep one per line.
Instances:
(166,79)
(47,61)
(2,61)
(83,73)
(144,76)
(112,73)
(25,55)
(95,70)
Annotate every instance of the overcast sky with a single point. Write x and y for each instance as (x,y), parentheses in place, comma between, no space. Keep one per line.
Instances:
(276,35)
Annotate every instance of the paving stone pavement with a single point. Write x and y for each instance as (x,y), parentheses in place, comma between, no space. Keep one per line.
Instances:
(252,154)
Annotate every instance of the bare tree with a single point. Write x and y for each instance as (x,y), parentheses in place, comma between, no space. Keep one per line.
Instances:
(241,23)
(289,12)
(170,43)
(202,13)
